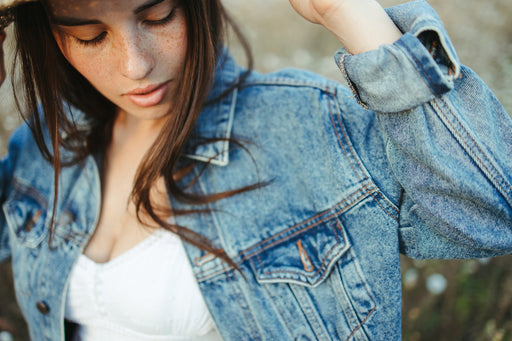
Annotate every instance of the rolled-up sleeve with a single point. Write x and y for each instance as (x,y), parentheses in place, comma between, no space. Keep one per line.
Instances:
(448,139)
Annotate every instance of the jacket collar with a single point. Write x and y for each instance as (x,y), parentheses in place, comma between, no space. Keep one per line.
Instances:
(216,118)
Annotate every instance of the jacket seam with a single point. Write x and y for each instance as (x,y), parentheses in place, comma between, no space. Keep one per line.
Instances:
(288,82)
(377,193)
(356,160)
(280,315)
(331,114)
(243,255)
(481,162)
(312,322)
(418,65)
(371,298)
(247,256)
(238,295)
(352,152)
(24,189)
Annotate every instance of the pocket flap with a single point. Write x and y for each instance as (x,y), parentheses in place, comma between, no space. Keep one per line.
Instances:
(25,212)
(303,254)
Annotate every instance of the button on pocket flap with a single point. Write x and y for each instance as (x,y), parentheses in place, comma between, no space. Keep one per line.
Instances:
(26,218)
(303,254)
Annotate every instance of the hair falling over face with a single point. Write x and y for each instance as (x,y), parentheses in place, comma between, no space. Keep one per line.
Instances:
(49,95)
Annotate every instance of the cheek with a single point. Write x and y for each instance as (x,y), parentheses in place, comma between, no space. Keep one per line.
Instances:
(91,66)
(173,47)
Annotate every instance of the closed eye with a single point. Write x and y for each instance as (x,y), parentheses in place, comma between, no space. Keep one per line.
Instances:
(92,42)
(162,21)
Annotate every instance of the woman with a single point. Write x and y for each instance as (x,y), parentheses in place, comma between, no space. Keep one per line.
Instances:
(294,195)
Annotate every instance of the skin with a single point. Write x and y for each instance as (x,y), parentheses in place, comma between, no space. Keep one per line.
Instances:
(132,53)
(360,25)
(2,67)
(125,51)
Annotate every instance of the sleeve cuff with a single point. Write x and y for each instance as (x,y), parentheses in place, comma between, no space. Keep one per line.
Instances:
(418,67)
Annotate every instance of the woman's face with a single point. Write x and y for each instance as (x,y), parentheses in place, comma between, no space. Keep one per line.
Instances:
(132,51)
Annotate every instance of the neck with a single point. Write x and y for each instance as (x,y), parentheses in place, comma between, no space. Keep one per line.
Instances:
(138,127)
(133,137)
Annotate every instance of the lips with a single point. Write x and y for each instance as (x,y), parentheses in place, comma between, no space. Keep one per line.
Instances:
(148,96)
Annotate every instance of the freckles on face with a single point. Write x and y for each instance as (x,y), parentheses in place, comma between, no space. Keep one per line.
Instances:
(122,46)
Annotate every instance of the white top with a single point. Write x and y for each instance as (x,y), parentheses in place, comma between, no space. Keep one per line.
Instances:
(147,293)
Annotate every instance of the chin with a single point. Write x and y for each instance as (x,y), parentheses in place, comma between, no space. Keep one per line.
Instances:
(156,112)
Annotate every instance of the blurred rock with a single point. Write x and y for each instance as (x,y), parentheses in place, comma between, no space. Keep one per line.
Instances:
(436,284)
(410,278)
(6,336)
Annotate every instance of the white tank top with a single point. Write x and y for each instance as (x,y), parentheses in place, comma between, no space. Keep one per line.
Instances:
(147,293)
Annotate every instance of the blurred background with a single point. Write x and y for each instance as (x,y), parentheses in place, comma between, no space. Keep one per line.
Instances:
(443,300)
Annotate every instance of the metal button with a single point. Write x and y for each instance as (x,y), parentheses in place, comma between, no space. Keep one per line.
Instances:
(43,307)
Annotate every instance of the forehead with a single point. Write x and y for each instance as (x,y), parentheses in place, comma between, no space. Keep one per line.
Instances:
(85,8)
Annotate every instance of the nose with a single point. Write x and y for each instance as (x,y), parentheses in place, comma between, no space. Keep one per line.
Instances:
(137,59)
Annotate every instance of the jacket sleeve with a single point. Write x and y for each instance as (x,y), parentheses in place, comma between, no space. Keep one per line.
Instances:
(5,171)
(7,166)
(447,139)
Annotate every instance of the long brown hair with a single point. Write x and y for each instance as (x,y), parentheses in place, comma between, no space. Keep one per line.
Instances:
(52,85)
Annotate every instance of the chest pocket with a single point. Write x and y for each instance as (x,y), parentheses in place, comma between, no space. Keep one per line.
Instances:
(26,214)
(28,218)
(25,211)
(315,267)
(303,254)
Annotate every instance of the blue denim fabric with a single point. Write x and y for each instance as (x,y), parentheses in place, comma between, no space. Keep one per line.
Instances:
(425,170)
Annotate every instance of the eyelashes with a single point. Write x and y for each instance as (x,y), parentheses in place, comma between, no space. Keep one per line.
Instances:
(163,21)
(91,42)
(151,23)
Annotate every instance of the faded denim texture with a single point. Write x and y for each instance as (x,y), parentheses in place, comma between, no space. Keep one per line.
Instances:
(415,159)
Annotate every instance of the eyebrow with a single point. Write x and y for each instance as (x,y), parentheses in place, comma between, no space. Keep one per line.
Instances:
(147,5)
(70,21)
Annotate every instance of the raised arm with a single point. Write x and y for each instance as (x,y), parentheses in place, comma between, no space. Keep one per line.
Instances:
(360,25)
(2,64)
(447,138)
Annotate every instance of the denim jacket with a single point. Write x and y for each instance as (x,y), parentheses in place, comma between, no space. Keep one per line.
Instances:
(415,159)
